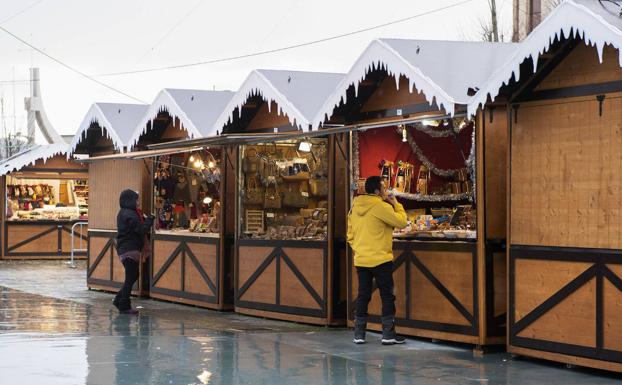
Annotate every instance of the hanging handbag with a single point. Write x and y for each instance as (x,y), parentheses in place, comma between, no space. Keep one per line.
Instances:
(295,198)
(253,195)
(250,163)
(272,198)
(318,152)
(318,187)
(270,172)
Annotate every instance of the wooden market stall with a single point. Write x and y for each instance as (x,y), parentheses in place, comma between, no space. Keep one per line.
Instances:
(564,259)
(106,130)
(287,262)
(409,125)
(189,191)
(43,194)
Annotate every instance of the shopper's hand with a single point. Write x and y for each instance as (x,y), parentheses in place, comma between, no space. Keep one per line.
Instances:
(392,200)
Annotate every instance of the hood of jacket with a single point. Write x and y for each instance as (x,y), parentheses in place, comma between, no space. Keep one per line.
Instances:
(363,203)
(127,199)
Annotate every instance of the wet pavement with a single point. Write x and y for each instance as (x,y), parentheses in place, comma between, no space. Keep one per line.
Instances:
(54,331)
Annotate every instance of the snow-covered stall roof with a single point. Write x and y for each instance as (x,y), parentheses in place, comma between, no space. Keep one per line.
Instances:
(443,70)
(196,109)
(597,23)
(297,94)
(31,155)
(117,121)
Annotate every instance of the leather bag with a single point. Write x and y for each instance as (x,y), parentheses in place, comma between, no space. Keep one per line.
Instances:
(272,198)
(254,195)
(294,198)
(318,187)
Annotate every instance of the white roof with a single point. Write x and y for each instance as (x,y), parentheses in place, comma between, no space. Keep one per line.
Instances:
(117,121)
(298,94)
(31,155)
(443,70)
(196,109)
(597,24)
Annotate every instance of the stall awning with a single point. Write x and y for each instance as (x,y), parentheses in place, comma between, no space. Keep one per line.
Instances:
(241,139)
(143,154)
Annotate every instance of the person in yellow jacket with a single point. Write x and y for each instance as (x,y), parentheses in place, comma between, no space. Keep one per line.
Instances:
(370,234)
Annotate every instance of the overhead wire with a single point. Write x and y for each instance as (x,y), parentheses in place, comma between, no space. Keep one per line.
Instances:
(171,30)
(286,48)
(67,66)
(220,60)
(27,8)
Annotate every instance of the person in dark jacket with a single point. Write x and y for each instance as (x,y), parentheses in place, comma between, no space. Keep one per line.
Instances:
(132,229)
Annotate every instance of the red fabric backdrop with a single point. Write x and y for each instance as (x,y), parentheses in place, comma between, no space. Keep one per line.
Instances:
(386,143)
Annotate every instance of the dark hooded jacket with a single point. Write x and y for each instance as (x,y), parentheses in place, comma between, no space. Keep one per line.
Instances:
(131,230)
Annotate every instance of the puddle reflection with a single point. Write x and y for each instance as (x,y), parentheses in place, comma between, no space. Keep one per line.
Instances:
(53,341)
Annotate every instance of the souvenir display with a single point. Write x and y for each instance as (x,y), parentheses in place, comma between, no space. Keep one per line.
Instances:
(50,199)
(285,190)
(187,192)
(431,174)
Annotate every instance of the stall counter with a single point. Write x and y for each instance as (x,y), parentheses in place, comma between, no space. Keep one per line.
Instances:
(185,268)
(437,286)
(43,239)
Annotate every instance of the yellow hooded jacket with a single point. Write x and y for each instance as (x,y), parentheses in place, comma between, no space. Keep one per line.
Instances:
(370,229)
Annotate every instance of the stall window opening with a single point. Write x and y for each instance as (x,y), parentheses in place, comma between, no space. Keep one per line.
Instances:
(46,199)
(285,190)
(187,192)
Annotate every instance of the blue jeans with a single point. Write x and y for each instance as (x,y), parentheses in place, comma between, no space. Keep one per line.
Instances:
(383,274)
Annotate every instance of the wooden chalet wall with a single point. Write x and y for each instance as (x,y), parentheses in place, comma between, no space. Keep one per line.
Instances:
(107,179)
(565,260)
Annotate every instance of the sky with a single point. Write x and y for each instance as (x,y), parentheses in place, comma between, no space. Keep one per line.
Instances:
(98,37)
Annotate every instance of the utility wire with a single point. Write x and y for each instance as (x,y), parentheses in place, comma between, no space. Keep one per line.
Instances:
(172,29)
(67,66)
(21,12)
(14,81)
(286,48)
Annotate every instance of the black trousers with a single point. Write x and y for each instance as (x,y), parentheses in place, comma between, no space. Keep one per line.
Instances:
(131,275)
(383,274)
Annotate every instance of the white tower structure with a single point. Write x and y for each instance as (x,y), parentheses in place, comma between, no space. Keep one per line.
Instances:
(36,112)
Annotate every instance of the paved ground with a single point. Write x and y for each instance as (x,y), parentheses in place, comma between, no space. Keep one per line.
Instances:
(54,331)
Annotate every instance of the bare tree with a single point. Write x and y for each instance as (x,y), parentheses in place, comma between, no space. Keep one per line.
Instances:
(12,144)
(489,28)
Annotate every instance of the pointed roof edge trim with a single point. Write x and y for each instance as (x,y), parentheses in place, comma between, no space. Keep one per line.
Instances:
(379,54)
(95,115)
(31,155)
(256,84)
(164,101)
(568,19)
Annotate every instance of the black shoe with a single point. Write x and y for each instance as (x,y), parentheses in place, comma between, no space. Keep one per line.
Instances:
(360,324)
(389,336)
(115,302)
